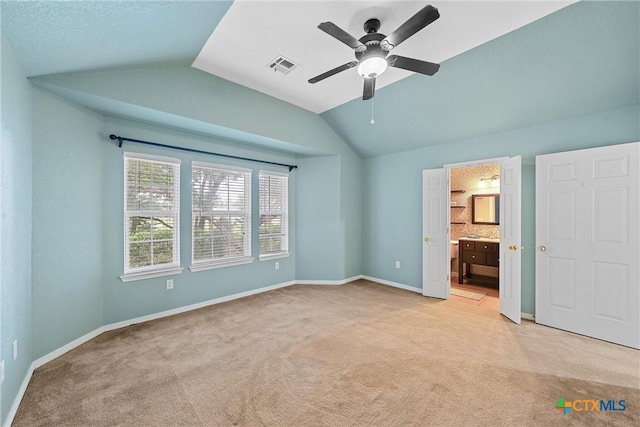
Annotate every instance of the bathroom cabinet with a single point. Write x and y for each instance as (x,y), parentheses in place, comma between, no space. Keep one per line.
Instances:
(479,252)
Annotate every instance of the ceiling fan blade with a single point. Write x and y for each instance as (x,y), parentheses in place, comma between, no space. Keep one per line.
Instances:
(334,31)
(369,88)
(336,70)
(416,65)
(424,17)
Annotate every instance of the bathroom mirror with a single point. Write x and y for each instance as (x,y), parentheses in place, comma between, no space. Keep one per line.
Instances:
(485,209)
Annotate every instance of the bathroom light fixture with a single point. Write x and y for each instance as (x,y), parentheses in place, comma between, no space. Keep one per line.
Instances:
(493,182)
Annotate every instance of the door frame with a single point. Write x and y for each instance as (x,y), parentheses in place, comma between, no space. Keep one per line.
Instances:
(448,168)
(461,165)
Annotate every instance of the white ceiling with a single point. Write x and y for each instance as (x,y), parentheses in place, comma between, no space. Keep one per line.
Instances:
(255,32)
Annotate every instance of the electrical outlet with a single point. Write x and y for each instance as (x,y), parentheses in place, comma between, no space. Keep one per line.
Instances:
(277,266)
(1,372)
(170,284)
(397,264)
(15,349)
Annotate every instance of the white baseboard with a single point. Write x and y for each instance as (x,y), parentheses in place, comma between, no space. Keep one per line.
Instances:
(328,282)
(16,402)
(525,316)
(67,347)
(394,284)
(196,306)
(528,316)
(110,327)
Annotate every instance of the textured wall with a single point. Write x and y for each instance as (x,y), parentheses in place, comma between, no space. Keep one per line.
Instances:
(67,215)
(15,226)
(467,179)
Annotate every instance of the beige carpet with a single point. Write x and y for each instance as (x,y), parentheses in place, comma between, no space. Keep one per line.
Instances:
(361,354)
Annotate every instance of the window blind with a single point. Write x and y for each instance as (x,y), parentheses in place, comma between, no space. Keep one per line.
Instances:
(221,207)
(152,213)
(274,217)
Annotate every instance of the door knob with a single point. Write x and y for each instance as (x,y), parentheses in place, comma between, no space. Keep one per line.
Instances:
(426,239)
(542,248)
(513,247)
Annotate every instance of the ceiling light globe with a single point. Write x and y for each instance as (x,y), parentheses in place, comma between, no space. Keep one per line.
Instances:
(372,67)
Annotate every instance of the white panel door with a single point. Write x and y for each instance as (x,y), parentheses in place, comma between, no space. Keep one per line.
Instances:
(435,226)
(587,239)
(510,238)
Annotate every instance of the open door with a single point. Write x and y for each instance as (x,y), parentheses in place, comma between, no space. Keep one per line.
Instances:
(435,226)
(510,238)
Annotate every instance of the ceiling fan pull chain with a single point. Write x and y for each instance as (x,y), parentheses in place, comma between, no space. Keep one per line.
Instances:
(373,122)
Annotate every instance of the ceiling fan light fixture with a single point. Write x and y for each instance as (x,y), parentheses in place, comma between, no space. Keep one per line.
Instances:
(373,66)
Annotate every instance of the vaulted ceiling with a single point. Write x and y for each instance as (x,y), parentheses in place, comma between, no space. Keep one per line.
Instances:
(504,64)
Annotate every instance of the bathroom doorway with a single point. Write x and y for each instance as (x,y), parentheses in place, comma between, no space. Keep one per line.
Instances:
(436,225)
(475,235)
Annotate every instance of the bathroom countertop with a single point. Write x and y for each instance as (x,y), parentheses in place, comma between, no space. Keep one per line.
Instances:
(480,239)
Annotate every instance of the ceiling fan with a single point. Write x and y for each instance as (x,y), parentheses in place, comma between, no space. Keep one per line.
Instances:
(372,50)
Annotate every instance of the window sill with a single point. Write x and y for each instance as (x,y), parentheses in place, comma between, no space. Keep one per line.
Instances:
(130,277)
(274,256)
(221,264)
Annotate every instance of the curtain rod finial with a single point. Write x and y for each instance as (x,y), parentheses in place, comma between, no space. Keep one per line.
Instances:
(119,138)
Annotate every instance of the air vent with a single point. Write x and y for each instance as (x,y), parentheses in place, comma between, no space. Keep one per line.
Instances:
(282,64)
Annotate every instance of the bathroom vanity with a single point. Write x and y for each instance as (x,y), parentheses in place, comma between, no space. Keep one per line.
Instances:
(480,251)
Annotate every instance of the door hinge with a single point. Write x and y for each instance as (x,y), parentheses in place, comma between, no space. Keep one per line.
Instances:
(447,277)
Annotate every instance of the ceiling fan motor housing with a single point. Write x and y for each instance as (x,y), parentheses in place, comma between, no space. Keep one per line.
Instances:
(371,26)
(372,42)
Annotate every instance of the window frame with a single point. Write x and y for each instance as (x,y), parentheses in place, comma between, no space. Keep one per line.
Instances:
(246,213)
(158,270)
(284,212)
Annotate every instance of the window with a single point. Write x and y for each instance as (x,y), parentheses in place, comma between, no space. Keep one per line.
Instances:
(151,216)
(274,218)
(221,206)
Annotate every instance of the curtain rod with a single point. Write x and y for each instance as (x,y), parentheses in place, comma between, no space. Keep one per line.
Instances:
(192,150)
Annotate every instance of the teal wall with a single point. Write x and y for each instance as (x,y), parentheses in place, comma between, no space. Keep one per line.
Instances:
(318,205)
(15,226)
(193,98)
(392,188)
(351,212)
(123,301)
(67,226)
(329,207)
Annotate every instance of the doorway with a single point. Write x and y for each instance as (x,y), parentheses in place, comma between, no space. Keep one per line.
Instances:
(474,218)
(436,224)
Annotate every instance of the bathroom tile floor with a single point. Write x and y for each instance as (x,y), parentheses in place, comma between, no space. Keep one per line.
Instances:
(490,301)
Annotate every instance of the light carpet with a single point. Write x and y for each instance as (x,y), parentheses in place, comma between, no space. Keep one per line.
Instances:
(360,354)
